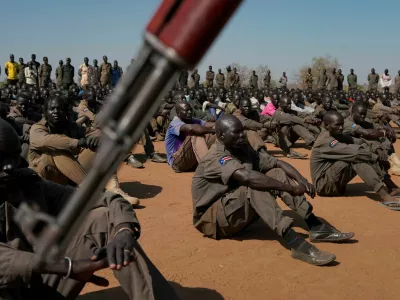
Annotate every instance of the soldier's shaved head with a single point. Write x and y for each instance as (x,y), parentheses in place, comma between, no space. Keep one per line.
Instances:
(229,131)
(359,106)
(332,116)
(226,122)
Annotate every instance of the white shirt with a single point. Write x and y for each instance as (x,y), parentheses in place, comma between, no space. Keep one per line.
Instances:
(31,76)
(385,80)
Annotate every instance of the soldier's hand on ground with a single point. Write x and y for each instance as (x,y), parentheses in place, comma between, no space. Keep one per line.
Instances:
(93,142)
(298,190)
(82,270)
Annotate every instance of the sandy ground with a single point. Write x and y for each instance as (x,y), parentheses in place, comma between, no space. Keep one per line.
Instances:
(255,265)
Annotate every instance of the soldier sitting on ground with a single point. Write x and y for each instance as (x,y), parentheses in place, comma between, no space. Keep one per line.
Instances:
(337,158)
(107,238)
(234,185)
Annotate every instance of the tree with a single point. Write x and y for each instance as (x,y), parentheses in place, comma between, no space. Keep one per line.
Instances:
(317,65)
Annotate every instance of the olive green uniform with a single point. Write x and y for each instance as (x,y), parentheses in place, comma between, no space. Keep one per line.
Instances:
(332,82)
(373,80)
(352,81)
(230,79)
(236,80)
(105,74)
(220,80)
(253,82)
(335,161)
(44,74)
(194,81)
(68,73)
(139,280)
(222,208)
(21,73)
(59,76)
(210,75)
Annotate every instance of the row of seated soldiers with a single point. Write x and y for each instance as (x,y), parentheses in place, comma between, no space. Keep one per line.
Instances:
(281,116)
(62,138)
(48,141)
(59,132)
(278,116)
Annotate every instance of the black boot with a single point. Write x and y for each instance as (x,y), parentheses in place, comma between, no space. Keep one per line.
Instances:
(304,251)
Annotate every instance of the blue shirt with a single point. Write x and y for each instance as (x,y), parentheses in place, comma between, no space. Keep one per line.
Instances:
(174,138)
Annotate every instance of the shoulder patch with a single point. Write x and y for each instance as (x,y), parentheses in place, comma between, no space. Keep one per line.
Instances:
(353,125)
(85,109)
(225,159)
(333,143)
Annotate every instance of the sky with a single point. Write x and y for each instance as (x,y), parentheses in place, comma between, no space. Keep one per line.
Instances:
(284,35)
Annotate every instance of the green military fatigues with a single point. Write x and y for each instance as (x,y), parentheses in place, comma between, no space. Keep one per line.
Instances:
(335,161)
(230,79)
(230,108)
(105,74)
(44,74)
(220,80)
(95,78)
(253,82)
(210,75)
(332,82)
(194,81)
(350,128)
(292,128)
(68,73)
(222,207)
(140,280)
(373,80)
(322,78)
(21,73)
(59,76)
(254,132)
(352,81)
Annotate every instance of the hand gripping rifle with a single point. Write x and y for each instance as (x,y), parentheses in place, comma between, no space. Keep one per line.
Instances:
(176,38)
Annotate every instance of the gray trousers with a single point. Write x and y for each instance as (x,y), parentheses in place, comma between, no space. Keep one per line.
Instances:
(239,208)
(140,280)
(336,178)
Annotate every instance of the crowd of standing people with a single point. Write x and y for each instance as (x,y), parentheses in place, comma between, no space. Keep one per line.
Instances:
(220,130)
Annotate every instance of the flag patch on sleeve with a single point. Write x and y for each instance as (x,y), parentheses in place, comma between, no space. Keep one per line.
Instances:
(225,159)
(333,143)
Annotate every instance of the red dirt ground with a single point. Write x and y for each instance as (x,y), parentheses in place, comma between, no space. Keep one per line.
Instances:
(254,265)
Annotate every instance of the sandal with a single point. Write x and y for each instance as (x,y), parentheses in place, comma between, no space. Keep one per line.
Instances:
(393,205)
